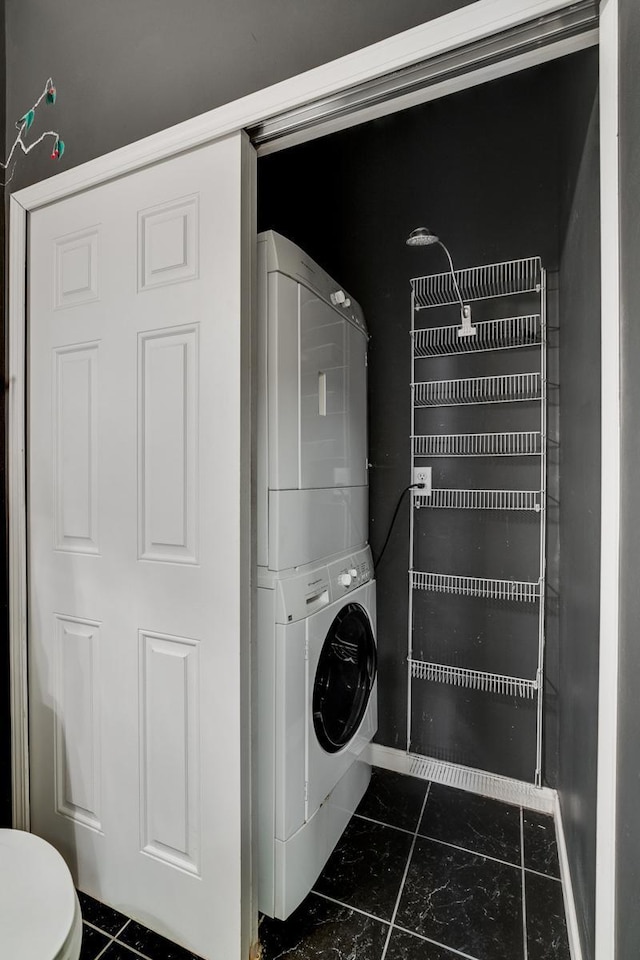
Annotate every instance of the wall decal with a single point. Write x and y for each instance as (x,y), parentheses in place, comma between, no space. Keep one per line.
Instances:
(23,125)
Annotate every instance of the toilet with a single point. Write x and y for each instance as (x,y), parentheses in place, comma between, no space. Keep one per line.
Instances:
(40,915)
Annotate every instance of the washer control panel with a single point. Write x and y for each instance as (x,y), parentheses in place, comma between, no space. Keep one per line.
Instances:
(350,572)
(300,596)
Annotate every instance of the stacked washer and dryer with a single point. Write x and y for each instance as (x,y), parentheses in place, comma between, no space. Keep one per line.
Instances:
(317,697)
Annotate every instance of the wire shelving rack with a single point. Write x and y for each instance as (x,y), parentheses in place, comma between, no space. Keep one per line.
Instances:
(489,282)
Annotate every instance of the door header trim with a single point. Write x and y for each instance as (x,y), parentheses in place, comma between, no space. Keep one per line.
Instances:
(553,28)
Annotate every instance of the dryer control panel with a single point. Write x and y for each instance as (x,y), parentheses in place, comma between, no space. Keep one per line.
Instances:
(283,256)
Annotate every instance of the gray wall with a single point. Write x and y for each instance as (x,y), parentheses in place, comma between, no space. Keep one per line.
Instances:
(579,493)
(628,840)
(478,171)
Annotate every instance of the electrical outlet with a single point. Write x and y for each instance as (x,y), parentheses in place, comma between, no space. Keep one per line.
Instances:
(422,475)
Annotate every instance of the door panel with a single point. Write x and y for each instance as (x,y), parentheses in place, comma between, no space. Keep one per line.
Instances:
(139,532)
(77,732)
(167,444)
(169,772)
(75,448)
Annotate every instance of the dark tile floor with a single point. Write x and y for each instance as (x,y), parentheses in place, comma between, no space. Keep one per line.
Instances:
(426,872)
(110,935)
(422,872)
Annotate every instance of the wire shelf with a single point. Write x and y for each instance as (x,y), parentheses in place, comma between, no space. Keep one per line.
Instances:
(478,283)
(507,388)
(448,499)
(525,591)
(523,443)
(506,334)
(473,679)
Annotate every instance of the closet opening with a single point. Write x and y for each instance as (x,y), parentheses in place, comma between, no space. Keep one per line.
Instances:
(503,171)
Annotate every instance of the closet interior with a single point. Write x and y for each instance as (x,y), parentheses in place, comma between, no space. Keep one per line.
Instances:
(502,172)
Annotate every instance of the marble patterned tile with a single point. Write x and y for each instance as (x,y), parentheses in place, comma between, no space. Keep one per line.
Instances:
(366,868)
(546,924)
(476,823)
(116,951)
(404,946)
(393,798)
(100,915)
(540,849)
(320,929)
(463,901)
(93,943)
(152,944)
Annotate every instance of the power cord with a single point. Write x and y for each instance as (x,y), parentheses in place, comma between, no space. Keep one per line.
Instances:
(412,486)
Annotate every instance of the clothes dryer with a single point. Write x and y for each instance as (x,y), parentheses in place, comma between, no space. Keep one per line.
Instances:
(317,696)
(312,476)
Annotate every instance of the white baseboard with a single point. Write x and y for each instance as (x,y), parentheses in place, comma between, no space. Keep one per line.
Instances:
(464,778)
(573,930)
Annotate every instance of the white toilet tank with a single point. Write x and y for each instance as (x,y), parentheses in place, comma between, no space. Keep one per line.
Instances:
(40,915)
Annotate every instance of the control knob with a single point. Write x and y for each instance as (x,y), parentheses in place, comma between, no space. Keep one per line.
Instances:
(345,579)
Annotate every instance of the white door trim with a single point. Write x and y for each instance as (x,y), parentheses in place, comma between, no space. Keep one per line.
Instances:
(605,941)
(471,23)
(17,506)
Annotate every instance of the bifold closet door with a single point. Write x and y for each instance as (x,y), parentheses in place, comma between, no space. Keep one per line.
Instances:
(139,541)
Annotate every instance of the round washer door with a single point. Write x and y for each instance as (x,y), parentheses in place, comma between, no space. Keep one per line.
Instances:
(344,678)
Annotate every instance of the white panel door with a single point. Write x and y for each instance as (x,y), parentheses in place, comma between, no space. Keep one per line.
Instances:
(139,542)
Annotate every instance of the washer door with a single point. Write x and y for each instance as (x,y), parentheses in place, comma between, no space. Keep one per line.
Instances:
(344,678)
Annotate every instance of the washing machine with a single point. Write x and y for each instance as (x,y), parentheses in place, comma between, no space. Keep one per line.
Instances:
(317,711)
(312,471)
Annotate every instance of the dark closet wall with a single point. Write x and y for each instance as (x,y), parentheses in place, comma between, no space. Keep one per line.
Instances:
(485,170)
(579,490)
